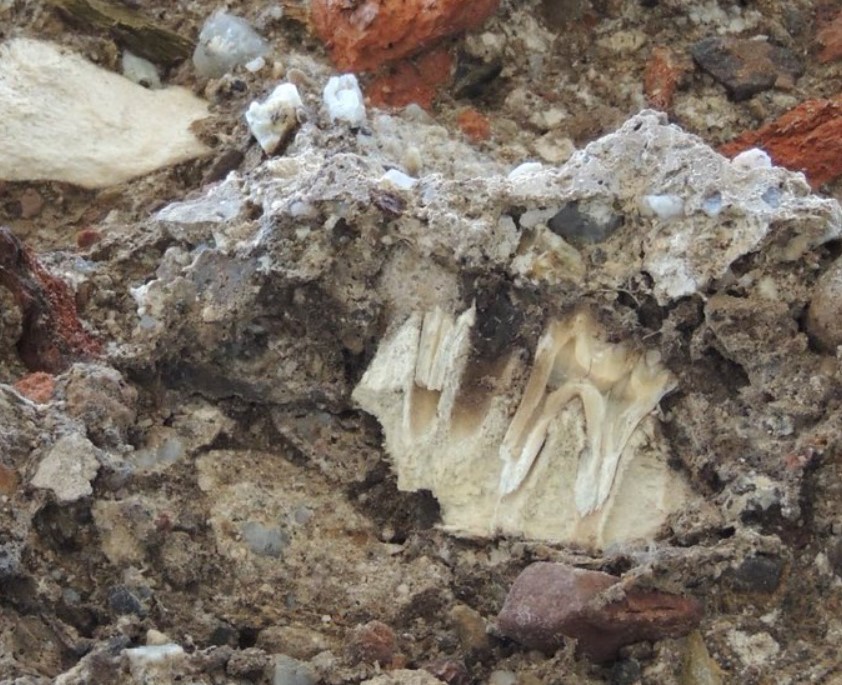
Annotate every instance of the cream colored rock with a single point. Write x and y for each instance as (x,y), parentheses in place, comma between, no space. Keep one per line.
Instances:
(575,456)
(65,119)
(68,468)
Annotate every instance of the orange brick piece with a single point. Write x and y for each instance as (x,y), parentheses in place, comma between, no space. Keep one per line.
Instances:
(808,138)
(362,35)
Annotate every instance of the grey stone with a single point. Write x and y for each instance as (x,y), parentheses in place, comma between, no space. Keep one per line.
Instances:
(745,66)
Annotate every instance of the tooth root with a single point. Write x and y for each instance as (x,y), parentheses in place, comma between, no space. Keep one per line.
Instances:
(558,467)
(617,388)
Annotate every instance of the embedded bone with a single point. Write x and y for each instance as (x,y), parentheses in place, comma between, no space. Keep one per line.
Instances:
(574,456)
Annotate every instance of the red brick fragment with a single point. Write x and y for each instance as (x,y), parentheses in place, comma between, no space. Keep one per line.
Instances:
(474,125)
(363,35)
(664,71)
(549,602)
(38,386)
(53,335)
(808,138)
(829,36)
(412,81)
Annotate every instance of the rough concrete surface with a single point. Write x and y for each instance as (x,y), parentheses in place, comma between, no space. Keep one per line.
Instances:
(326,413)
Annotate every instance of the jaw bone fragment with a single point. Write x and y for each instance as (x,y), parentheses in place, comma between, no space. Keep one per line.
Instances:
(617,388)
(580,460)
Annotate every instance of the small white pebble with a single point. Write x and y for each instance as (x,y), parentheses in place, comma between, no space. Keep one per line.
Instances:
(273,119)
(525,169)
(502,678)
(344,100)
(140,70)
(665,207)
(398,179)
(755,158)
(255,65)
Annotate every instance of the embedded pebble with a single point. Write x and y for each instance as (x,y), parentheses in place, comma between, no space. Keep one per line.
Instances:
(225,42)
(470,628)
(140,70)
(68,468)
(824,315)
(372,642)
(272,121)
(289,671)
(746,66)
(149,663)
(664,207)
(344,100)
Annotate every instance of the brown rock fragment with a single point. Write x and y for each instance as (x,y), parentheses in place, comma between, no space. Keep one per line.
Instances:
(664,71)
(824,315)
(808,138)
(372,642)
(9,480)
(449,671)
(747,67)
(31,203)
(362,36)
(470,628)
(549,602)
(829,37)
(87,237)
(52,335)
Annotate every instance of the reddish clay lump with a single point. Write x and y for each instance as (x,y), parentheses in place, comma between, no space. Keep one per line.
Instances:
(52,335)
(38,387)
(362,36)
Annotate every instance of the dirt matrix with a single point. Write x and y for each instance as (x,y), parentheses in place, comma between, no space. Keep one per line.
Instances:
(519,367)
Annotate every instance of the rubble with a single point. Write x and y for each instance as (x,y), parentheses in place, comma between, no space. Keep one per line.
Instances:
(52,334)
(311,411)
